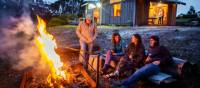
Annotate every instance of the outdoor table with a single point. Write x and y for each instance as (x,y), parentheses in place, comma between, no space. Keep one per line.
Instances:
(152,19)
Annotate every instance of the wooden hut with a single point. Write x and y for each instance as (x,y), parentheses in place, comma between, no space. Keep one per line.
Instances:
(137,12)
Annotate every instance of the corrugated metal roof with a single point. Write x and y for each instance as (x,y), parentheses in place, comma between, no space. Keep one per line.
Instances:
(174,1)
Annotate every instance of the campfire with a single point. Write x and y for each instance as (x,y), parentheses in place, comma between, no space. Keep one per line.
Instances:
(47,45)
(60,75)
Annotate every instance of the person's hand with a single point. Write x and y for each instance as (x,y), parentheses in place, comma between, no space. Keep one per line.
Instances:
(114,53)
(93,39)
(89,41)
(148,59)
(130,56)
(156,62)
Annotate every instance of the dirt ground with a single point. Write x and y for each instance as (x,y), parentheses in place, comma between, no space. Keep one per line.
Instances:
(183,42)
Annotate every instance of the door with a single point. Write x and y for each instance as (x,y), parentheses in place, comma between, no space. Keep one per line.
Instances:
(158,13)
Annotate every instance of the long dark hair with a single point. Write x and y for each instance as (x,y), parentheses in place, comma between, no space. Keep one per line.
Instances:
(113,37)
(139,42)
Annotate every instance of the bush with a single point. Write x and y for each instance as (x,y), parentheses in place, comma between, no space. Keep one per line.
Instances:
(56,21)
(61,20)
(190,16)
(188,22)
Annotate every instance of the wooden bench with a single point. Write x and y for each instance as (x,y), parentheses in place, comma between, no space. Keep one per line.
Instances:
(166,78)
(157,79)
(93,62)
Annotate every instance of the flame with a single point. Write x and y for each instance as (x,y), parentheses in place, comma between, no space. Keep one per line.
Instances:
(47,45)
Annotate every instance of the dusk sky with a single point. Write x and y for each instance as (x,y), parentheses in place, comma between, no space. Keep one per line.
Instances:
(50,0)
(185,8)
(180,9)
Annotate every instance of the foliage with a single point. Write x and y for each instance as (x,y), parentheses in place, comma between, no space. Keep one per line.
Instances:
(56,21)
(69,7)
(189,19)
(192,11)
(61,20)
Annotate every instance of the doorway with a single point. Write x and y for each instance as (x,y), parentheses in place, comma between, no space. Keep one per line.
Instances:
(158,13)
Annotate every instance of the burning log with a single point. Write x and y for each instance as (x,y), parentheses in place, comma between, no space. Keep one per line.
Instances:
(58,75)
(26,79)
(91,82)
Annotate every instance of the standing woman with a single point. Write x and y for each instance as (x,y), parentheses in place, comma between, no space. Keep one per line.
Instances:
(87,32)
(115,52)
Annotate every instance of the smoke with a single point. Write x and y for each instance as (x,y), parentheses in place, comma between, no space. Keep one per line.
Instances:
(17,42)
(17,34)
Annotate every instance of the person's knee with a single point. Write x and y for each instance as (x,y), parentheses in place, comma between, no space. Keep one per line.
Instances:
(90,47)
(82,46)
(108,52)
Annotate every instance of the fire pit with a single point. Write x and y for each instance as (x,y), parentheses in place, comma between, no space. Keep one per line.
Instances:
(61,73)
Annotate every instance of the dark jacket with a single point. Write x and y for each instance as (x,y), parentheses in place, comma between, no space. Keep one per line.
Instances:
(160,53)
(138,54)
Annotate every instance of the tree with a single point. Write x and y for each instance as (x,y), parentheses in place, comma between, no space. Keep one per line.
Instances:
(191,11)
(81,9)
(71,6)
(56,5)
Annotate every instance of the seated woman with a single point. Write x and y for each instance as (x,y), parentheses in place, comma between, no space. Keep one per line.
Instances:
(133,58)
(115,52)
(158,59)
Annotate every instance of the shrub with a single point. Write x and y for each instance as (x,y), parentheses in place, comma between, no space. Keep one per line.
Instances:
(61,20)
(56,21)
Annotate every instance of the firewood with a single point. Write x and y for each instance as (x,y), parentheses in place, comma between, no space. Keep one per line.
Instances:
(91,82)
(26,79)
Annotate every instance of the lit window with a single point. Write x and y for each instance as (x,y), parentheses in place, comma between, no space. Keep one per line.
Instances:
(117,9)
(114,1)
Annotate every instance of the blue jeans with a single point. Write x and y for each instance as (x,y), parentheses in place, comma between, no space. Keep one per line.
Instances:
(85,47)
(145,71)
(110,57)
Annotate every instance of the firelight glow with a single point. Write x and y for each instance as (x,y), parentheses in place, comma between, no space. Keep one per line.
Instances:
(46,45)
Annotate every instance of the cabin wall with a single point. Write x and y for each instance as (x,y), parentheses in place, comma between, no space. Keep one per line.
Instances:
(142,11)
(134,12)
(172,14)
(126,17)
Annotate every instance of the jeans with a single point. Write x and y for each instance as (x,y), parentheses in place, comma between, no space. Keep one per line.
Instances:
(110,57)
(145,71)
(85,47)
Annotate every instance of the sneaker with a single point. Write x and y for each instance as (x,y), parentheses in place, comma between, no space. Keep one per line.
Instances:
(116,73)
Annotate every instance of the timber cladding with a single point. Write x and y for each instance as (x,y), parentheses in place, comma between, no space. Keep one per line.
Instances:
(133,12)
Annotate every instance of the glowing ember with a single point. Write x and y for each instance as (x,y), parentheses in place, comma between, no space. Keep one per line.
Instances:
(46,44)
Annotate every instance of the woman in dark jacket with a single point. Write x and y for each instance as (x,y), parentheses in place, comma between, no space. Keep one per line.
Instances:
(135,51)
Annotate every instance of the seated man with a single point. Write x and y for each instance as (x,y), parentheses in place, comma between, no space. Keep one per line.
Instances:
(158,59)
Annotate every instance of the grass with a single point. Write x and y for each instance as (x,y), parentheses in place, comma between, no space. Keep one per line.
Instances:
(183,20)
(64,27)
(74,27)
